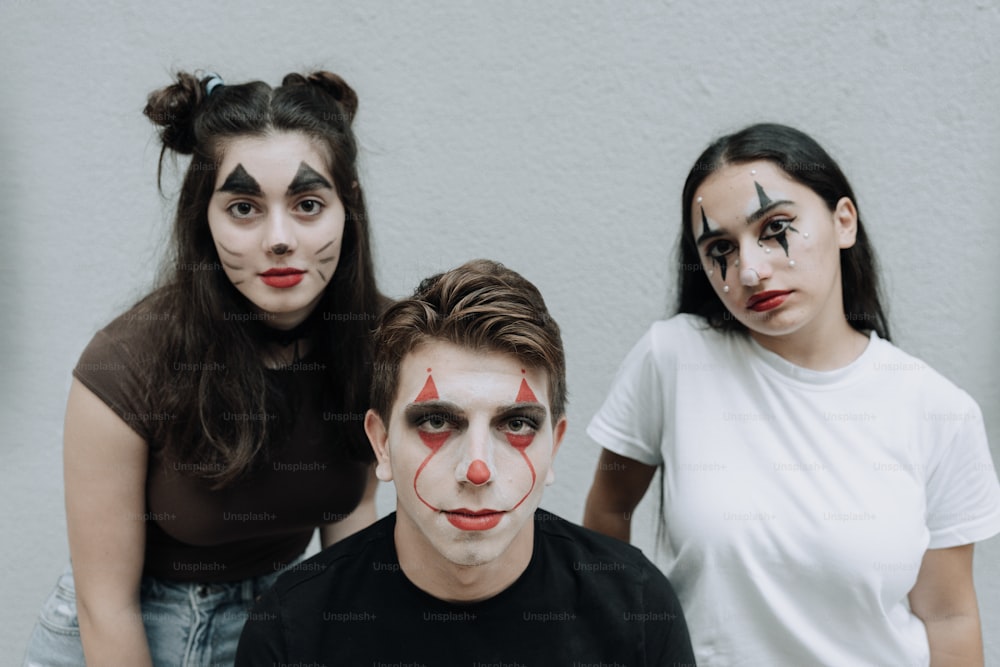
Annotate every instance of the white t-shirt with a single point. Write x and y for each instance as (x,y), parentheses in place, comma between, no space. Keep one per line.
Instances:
(799,503)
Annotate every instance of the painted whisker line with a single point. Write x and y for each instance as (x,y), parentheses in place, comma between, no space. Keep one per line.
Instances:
(321,275)
(234,254)
(232,266)
(325,247)
(327,260)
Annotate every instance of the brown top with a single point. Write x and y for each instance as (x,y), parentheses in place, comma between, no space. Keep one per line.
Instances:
(255,525)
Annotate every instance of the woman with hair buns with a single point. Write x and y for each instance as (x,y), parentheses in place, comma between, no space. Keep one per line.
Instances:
(214,425)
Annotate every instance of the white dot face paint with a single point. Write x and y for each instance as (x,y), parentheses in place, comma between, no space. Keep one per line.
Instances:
(470,447)
(277,223)
(784,238)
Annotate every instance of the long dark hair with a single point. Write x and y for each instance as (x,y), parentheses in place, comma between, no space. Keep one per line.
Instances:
(805,161)
(207,349)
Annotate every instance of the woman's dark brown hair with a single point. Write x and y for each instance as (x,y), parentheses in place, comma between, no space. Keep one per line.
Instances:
(208,348)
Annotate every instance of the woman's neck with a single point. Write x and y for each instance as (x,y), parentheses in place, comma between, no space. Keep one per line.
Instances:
(818,348)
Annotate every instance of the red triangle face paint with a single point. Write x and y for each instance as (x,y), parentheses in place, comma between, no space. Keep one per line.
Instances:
(434,440)
(525,395)
(519,441)
(428,393)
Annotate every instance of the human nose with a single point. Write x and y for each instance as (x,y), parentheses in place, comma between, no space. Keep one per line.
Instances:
(279,234)
(755,264)
(476,464)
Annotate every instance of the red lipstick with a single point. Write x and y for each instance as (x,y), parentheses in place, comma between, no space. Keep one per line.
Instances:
(282,278)
(763,301)
(465,519)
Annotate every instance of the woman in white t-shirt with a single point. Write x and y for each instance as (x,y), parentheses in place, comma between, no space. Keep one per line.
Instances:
(821,489)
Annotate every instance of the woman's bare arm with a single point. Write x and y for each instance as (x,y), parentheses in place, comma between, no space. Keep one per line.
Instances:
(105,464)
(619,484)
(944,598)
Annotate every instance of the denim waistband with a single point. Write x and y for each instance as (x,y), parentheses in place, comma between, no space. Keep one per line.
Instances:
(212,594)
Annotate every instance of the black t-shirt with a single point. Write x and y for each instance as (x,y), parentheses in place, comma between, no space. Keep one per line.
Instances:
(259,523)
(584,599)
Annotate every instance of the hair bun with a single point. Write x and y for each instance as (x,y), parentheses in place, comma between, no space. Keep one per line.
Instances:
(330,83)
(173,108)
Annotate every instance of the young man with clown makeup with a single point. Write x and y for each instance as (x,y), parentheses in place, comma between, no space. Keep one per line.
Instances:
(468,410)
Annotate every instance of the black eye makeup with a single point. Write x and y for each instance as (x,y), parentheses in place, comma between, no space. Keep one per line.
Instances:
(307,179)
(521,419)
(713,250)
(240,182)
(778,229)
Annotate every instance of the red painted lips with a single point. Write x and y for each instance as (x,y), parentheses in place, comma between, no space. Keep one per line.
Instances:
(763,301)
(465,519)
(282,278)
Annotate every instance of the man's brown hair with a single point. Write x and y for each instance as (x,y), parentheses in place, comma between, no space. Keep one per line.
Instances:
(481,305)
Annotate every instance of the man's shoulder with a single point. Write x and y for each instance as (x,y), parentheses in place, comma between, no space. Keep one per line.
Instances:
(590,550)
(339,562)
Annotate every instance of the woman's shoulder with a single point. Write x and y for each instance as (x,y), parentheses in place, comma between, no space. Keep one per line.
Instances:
(913,376)
(128,342)
(686,334)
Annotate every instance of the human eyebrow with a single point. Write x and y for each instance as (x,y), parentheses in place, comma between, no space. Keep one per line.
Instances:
(307,178)
(533,411)
(761,212)
(240,182)
(416,411)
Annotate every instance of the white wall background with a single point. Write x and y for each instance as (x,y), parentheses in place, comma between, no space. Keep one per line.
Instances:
(555,139)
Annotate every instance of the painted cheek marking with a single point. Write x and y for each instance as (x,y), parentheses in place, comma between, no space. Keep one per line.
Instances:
(521,442)
(478,473)
(526,439)
(432,440)
(416,476)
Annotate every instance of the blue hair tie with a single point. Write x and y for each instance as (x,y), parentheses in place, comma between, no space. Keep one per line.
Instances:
(213,82)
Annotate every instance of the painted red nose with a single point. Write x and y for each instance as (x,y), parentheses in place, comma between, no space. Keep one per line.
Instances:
(478,472)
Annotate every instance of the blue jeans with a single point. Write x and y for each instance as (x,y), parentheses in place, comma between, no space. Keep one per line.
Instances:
(187,624)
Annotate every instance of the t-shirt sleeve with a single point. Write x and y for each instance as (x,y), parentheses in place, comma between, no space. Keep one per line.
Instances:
(963,495)
(668,643)
(262,642)
(108,369)
(630,422)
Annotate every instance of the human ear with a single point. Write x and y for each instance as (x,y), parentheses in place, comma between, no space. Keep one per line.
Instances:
(557,436)
(378,436)
(845,218)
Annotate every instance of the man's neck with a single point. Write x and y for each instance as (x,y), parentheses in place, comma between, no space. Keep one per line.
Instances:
(434,574)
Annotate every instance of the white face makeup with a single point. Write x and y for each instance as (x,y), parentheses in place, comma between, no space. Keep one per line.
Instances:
(470,447)
(771,248)
(277,223)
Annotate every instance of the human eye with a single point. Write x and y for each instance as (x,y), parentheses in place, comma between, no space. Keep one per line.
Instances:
(776,227)
(435,423)
(720,249)
(310,206)
(520,425)
(242,210)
